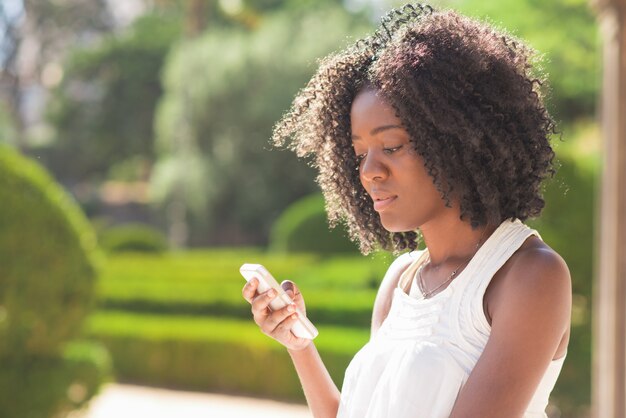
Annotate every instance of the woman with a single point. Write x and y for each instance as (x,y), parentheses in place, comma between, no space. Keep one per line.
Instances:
(433,128)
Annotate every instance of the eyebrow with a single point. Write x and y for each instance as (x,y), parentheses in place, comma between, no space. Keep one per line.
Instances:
(379,129)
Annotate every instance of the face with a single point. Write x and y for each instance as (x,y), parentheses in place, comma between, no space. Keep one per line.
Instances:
(390,170)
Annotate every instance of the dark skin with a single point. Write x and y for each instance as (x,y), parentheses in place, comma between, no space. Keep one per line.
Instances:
(527,303)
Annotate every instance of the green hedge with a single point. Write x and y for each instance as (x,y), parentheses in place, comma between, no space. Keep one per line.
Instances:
(133,237)
(303,227)
(213,354)
(344,309)
(339,291)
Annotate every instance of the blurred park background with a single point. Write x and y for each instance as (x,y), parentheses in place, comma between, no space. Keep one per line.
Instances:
(136,177)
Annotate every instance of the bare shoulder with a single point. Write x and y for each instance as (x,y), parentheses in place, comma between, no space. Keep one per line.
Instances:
(534,284)
(382,303)
(538,275)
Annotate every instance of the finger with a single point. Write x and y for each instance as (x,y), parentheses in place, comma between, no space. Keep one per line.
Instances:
(283,329)
(249,289)
(277,317)
(260,304)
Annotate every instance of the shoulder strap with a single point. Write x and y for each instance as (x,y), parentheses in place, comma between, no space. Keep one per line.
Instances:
(511,240)
(467,309)
(409,272)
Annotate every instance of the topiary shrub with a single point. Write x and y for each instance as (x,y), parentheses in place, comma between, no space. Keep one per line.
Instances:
(303,227)
(39,387)
(133,237)
(48,256)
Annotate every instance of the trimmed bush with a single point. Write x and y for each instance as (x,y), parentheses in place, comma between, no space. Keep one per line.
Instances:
(338,291)
(303,227)
(48,256)
(336,308)
(213,354)
(133,237)
(46,386)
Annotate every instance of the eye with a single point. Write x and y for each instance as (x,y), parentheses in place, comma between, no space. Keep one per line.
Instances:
(392,150)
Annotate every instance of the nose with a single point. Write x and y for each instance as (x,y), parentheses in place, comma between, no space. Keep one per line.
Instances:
(372,168)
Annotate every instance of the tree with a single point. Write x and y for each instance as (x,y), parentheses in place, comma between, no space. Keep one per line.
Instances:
(9,81)
(36,35)
(223,93)
(104,108)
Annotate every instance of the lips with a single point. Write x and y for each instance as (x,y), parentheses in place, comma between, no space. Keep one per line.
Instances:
(382,202)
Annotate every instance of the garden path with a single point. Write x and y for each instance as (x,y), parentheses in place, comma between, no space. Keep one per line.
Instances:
(126,401)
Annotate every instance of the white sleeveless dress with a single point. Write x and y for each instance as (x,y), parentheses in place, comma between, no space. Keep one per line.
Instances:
(424,351)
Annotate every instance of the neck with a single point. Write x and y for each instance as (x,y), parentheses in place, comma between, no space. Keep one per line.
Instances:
(452,240)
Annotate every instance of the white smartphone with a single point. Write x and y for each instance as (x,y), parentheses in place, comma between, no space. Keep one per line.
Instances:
(303,328)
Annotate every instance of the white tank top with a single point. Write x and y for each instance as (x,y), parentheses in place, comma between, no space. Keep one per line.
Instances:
(425,349)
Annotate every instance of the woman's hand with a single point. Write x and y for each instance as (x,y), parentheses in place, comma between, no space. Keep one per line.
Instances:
(277,324)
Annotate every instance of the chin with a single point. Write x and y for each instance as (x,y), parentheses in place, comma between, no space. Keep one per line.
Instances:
(397,226)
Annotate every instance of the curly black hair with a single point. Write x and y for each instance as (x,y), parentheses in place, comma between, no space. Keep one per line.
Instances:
(471,100)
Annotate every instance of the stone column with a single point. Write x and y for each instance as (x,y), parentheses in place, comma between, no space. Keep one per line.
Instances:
(609,326)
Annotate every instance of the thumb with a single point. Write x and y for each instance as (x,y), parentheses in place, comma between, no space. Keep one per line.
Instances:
(290,288)
(294,293)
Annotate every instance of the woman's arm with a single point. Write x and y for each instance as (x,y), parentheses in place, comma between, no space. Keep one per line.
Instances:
(529,319)
(320,391)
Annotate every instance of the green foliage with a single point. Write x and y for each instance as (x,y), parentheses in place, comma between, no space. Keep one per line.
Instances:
(213,354)
(49,387)
(48,257)
(8,134)
(338,291)
(303,227)
(103,110)
(133,237)
(47,252)
(223,93)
